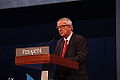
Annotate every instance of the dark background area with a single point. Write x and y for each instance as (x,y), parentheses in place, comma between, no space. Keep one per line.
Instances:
(30,26)
(13,18)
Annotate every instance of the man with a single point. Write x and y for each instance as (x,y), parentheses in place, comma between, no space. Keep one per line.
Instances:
(73,47)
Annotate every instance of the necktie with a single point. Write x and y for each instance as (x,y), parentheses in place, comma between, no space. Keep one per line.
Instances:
(65,48)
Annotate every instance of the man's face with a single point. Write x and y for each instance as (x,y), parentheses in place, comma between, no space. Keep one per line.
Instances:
(64,29)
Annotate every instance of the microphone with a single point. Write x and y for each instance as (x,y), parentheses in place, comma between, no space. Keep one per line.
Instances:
(53,39)
(50,41)
(46,43)
(42,43)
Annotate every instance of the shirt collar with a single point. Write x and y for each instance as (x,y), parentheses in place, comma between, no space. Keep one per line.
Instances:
(68,38)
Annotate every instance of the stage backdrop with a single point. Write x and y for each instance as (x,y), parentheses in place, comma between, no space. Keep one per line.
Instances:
(100,36)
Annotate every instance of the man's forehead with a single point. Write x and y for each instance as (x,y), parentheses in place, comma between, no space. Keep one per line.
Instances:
(62,22)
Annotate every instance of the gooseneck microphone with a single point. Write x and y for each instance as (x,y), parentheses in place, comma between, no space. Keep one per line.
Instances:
(50,41)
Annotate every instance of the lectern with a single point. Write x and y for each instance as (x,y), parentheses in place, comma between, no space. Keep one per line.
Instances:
(45,62)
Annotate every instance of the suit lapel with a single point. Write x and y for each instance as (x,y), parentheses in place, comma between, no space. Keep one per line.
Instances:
(69,45)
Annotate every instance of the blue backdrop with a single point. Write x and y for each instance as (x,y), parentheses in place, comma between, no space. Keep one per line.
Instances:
(100,36)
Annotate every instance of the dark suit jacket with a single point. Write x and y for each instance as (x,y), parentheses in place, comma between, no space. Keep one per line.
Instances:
(76,51)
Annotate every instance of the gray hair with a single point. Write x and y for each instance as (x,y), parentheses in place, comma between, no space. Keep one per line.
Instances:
(68,21)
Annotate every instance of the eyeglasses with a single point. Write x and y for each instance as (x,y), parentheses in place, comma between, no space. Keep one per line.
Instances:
(62,26)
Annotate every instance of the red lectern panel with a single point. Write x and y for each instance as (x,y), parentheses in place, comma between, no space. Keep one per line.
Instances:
(47,58)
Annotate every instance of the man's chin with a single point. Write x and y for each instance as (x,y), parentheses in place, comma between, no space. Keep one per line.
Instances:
(61,35)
